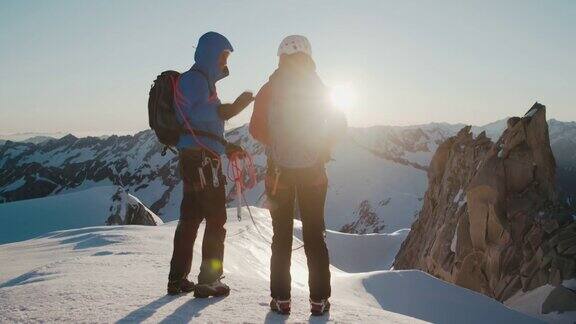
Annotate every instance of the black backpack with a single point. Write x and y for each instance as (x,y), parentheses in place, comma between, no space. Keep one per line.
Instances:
(161,114)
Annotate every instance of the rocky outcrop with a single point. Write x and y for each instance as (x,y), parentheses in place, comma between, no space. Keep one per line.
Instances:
(367,219)
(491,219)
(129,210)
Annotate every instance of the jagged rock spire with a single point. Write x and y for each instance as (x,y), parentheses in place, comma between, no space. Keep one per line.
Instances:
(509,233)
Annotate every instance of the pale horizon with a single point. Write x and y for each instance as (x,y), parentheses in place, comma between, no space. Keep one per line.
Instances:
(86,67)
(81,134)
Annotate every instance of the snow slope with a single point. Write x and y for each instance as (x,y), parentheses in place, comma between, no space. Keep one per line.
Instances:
(531,302)
(357,175)
(29,218)
(26,219)
(364,252)
(118,273)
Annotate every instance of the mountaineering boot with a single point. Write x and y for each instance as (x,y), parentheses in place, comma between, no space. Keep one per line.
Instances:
(180,286)
(318,308)
(280,306)
(216,289)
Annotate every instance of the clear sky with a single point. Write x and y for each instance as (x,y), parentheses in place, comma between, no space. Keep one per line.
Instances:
(86,66)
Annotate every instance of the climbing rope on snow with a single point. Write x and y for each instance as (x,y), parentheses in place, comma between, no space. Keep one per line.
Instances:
(258,228)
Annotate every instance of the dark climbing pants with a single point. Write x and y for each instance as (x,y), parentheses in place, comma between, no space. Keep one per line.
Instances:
(311,199)
(199,203)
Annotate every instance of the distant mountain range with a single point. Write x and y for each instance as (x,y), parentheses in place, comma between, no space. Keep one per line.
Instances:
(377,179)
(30,137)
(38,137)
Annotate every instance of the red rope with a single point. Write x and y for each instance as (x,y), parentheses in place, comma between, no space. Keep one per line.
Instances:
(179,99)
(240,165)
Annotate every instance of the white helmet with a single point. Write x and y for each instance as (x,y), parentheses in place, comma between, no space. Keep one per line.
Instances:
(294,44)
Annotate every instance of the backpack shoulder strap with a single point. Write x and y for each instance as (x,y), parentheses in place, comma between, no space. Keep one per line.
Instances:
(198,132)
(210,87)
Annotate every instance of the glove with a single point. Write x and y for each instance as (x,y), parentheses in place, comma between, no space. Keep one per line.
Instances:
(244,100)
(235,150)
(227,111)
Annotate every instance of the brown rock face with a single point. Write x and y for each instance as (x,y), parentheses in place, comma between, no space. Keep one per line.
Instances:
(491,221)
(366,220)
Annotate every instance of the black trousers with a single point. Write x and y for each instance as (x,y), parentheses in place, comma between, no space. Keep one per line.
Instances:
(311,196)
(199,203)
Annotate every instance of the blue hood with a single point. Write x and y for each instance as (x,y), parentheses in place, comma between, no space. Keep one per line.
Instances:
(208,51)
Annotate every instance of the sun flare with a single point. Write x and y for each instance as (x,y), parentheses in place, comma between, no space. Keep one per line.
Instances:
(343,96)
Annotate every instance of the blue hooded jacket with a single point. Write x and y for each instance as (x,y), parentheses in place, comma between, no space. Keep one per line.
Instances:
(198,88)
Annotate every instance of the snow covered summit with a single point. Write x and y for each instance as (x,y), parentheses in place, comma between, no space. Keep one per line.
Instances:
(118,274)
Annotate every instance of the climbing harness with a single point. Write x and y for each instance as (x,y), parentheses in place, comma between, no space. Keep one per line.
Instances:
(215,178)
(241,165)
(276,180)
(239,160)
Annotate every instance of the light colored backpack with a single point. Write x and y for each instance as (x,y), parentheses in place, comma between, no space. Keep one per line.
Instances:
(296,123)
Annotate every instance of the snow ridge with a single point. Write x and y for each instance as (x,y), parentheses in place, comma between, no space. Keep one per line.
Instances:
(119,273)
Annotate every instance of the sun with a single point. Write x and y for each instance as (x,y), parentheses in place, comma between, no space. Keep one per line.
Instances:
(343,96)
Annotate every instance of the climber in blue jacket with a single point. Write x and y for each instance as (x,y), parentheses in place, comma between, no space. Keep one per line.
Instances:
(204,194)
